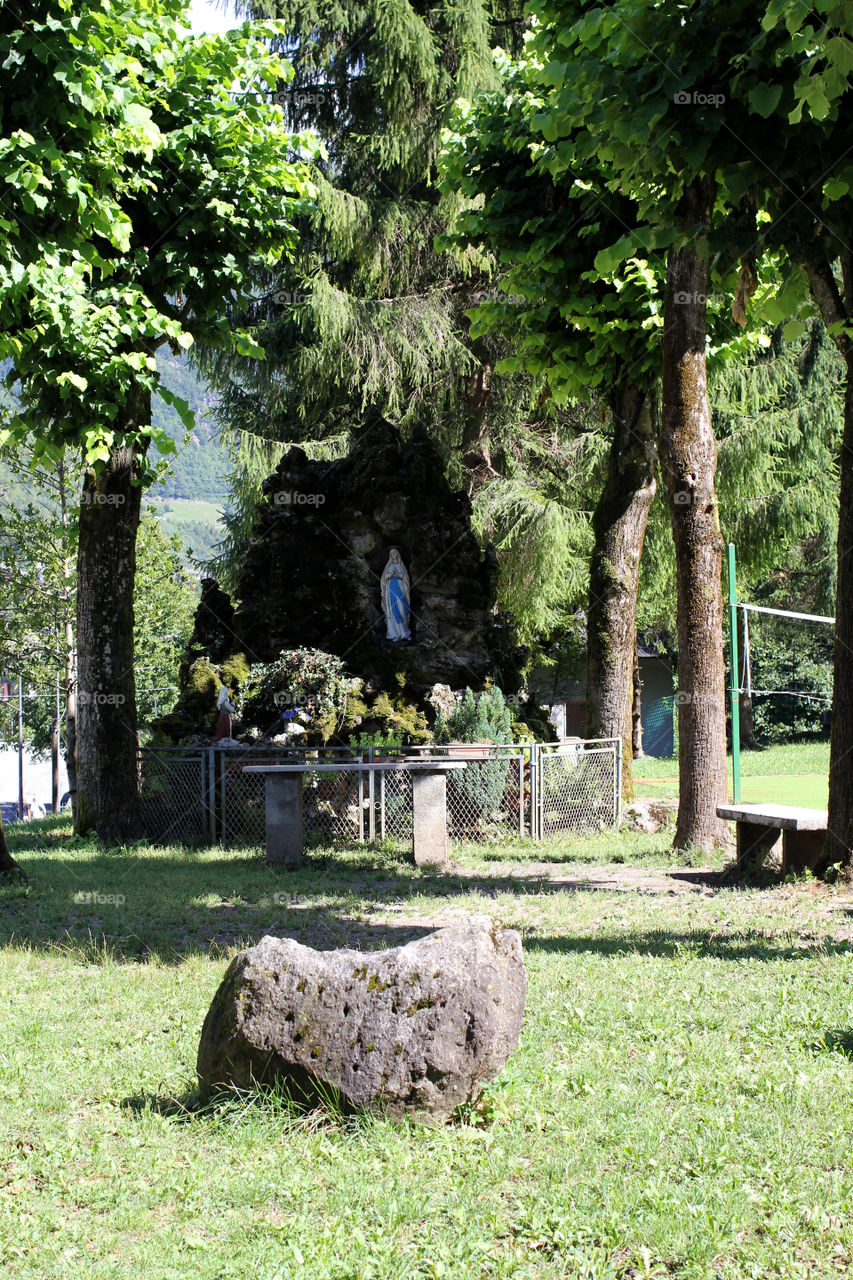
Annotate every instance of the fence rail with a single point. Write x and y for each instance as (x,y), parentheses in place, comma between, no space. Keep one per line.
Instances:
(202,795)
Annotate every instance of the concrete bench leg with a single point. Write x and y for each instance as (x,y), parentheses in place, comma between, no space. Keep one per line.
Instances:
(801,849)
(284,818)
(429,813)
(754,842)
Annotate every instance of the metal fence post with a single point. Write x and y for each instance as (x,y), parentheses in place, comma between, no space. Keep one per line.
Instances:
(371,795)
(617,805)
(521,793)
(211,792)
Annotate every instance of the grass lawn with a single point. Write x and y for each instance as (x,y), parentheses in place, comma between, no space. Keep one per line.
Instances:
(681,1104)
(796,774)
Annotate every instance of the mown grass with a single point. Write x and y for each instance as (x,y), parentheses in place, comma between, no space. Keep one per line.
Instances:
(680,1104)
(804,766)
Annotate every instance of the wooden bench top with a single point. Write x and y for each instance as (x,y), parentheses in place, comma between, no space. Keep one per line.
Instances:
(386,766)
(784,817)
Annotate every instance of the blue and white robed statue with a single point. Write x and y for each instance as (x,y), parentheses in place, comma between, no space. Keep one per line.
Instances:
(396,598)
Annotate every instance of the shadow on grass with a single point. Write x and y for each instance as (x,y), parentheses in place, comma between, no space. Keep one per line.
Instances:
(322,1107)
(96,905)
(740,944)
(840,1042)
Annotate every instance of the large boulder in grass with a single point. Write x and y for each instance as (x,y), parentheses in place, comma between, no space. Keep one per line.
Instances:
(413,1031)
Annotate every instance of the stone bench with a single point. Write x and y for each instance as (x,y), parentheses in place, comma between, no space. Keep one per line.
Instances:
(762,828)
(283,793)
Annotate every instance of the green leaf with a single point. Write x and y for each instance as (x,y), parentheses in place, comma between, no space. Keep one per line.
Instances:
(764,98)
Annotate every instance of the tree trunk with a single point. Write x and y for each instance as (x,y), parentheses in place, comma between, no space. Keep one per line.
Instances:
(107,792)
(619,527)
(71,716)
(637,709)
(70,652)
(8,865)
(835,308)
(475,449)
(689,466)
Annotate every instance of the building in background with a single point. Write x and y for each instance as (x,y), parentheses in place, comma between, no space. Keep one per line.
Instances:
(566,698)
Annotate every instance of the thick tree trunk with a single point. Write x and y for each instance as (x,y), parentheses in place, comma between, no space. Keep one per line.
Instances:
(839,835)
(689,466)
(71,716)
(68,571)
(637,709)
(107,793)
(619,526)
(835,308)
(8,865)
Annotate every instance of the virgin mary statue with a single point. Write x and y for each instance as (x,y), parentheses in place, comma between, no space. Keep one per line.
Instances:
(395,597)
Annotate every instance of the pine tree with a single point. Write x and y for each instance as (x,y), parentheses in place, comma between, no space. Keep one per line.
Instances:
(369,316)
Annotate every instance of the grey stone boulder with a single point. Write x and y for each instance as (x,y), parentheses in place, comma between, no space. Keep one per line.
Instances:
(413,1031)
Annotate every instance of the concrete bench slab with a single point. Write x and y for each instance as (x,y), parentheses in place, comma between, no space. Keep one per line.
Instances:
(283,792)
(798,834)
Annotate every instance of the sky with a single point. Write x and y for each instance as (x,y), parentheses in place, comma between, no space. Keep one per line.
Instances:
(205,16)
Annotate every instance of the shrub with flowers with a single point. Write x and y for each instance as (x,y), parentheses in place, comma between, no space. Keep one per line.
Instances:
(305,687)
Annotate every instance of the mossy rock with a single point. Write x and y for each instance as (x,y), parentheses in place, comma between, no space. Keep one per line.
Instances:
(356,710)
(235,671)
(401,719)
(199,695)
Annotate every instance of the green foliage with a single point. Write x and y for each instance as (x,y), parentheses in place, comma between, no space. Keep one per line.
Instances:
(164,606)
(380,739)
(479,788)
(39,516)
(399,718)
(368,314)
(306,685)
(778,419)
(141,195)
(481,717)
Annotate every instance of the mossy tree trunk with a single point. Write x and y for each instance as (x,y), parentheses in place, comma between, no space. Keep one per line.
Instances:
(689,467)
(8,865)
(476,447)
(637,709)
(619,527)
(836,308)
(106,742)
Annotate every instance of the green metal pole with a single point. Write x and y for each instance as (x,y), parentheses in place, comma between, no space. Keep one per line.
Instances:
(735,678)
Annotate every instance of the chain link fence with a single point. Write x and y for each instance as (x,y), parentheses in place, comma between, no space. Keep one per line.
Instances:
(579,787)
(173,796)
(203,796)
